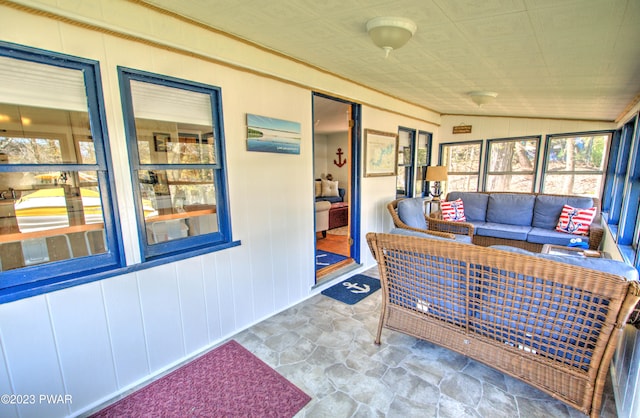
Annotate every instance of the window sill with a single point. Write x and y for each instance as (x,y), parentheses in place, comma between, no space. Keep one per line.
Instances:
(15,293)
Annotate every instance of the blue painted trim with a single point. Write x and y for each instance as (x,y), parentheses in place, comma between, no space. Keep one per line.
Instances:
(548,139)
(423,167)
(487,157)
(480,142)
(631,194)
(187,244)
(64,273)
(356,152)
(612,159)
(356,181)
(410,175)
(46,286)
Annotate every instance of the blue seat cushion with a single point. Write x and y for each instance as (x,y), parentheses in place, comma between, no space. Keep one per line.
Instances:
(510,208)
(475,204)
(411,212)
(547,208)
(496,230)
(606,265)
(548,236)
(462,239)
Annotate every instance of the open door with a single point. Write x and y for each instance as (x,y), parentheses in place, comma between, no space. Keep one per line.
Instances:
(336,183)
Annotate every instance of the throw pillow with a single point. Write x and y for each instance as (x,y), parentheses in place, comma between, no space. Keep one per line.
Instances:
(318,188)
(453,210)
(411,212)
(329,188)
(575,221)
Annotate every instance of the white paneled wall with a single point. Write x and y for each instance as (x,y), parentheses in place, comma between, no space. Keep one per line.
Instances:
(97,340)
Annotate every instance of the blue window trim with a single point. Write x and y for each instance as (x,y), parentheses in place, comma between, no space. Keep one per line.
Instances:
(609,180)
(631,193)
(49,285)
(620,171)
(480,159)
(42,278)
(547,141)
(193,243)
(537,138)
(423,167)
(409,174)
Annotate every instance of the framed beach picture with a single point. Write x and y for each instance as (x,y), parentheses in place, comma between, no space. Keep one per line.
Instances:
(266,134)
(380,153)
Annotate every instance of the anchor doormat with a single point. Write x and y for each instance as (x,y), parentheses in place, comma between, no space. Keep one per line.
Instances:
(353,289)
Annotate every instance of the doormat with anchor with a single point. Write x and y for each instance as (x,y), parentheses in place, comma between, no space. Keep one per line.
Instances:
(353,289)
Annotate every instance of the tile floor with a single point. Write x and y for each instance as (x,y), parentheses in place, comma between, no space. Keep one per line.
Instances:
(326,348)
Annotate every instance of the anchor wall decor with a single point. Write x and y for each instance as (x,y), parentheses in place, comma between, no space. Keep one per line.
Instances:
(340,161)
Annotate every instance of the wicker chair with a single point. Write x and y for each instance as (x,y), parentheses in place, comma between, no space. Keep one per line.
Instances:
(450,230)
(552,325)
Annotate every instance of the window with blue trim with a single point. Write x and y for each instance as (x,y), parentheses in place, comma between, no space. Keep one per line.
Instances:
(575,163)
(462,160)
(620,168)
(423,151)
(406,156)
(176,147)
(511,164)
(56,219)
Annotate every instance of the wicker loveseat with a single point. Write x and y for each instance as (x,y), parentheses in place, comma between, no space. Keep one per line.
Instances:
(552,325)
(524,220)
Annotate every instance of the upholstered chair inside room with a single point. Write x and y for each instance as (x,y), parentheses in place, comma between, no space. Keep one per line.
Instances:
(322,217)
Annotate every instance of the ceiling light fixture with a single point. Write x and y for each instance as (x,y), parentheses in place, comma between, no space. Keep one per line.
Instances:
(390,33)
(482,97)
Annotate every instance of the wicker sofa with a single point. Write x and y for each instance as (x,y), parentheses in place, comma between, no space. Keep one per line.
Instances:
(524,220)
(550,324)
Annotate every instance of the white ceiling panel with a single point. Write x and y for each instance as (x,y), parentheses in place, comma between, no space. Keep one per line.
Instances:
(577,59)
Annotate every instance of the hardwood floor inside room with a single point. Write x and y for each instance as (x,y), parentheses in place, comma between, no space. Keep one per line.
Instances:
(338,244)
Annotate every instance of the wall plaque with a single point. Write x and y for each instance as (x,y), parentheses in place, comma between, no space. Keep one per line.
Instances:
(462,129)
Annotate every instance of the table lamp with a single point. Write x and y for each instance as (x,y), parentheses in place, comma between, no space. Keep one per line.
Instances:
(436,174)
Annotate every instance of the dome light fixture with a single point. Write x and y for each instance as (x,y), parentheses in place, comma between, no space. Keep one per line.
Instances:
(482,97)
(390,33)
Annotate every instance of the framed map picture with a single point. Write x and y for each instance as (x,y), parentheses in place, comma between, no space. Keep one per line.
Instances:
(380,153)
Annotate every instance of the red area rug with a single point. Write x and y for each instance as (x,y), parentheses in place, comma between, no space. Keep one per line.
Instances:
(226,382)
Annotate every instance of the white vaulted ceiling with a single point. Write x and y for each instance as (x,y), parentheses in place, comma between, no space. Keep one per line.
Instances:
(575,59)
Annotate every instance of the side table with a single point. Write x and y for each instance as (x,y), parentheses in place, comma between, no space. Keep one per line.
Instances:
(429,204)
(572,251)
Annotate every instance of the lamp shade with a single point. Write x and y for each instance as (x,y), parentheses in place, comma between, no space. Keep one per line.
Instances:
(390,33)
(436,173)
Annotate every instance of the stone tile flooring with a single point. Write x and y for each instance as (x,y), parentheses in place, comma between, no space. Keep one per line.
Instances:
(326,348)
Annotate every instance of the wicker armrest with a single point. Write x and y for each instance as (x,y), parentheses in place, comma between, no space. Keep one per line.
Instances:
(392,207)
(596,232)
(436,223)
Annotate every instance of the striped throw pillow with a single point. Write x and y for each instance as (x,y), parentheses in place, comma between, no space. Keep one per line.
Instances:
(453,211)
(575,221)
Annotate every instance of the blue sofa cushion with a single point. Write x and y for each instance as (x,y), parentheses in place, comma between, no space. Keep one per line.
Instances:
(606,265)
(517,232)
(547,208)
(548,236)
(510,208)
(462,239)
(475,204)
(549,329)
(333,199)
(411,212)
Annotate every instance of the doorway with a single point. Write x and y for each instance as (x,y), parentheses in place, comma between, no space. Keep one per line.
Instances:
(336,183)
